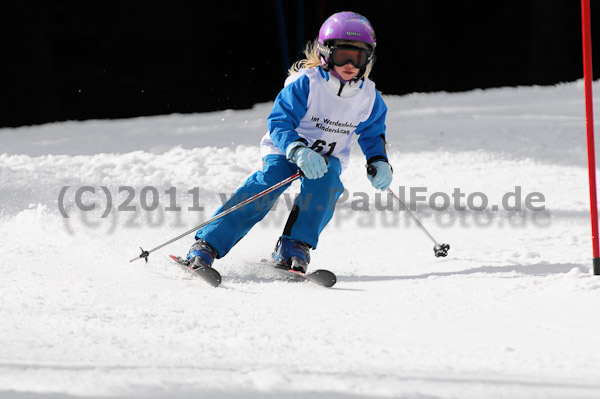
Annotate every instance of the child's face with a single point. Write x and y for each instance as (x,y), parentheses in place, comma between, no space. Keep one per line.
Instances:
(347,72)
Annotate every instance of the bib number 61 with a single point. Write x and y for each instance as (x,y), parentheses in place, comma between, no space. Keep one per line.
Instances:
(320,145)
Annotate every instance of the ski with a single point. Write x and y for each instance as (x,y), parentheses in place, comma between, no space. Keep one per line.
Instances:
(208,274)
(322,277)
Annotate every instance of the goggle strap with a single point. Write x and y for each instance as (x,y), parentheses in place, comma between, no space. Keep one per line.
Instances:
(324,50)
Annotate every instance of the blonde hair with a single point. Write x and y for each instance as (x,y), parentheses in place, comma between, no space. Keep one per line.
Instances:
(313,57)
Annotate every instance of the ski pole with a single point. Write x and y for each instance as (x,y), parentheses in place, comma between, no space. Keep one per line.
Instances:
(438,249)
(290,179)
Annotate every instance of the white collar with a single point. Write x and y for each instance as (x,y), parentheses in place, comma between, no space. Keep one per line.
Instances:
(347,90)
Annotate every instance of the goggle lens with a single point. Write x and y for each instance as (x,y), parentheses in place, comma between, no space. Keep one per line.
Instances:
(340,56)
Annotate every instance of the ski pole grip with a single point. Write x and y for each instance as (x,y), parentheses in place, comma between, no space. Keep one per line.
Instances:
(371,170)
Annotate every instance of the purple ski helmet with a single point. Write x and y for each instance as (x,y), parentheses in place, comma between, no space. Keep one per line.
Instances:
(345,25)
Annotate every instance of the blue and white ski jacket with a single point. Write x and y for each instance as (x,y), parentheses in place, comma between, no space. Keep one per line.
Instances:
(314,107)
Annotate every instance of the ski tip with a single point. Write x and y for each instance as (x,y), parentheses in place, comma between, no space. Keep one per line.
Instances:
(211,276)
(324,277)
(208,274)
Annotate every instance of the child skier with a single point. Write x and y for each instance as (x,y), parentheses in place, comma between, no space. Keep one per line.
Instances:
(326,99)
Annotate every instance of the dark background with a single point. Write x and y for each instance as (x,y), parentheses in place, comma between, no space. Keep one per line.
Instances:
(76,60)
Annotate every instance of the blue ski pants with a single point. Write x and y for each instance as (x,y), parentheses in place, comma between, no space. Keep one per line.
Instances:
(312,210)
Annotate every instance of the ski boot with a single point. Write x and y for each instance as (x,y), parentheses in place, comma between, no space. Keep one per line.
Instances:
(292,253)
(201,254)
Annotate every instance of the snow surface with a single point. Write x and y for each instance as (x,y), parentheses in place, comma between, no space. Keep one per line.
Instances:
(512,312)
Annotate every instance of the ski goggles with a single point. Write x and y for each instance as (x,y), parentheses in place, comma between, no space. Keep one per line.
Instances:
(358,57)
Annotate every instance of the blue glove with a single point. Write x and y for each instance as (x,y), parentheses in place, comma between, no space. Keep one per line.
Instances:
(312,164)
(380,174)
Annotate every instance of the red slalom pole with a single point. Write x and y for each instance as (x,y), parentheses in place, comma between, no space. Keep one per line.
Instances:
(589,118)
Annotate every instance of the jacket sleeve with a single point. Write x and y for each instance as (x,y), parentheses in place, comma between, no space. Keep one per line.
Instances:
(371,133)
(289,108)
